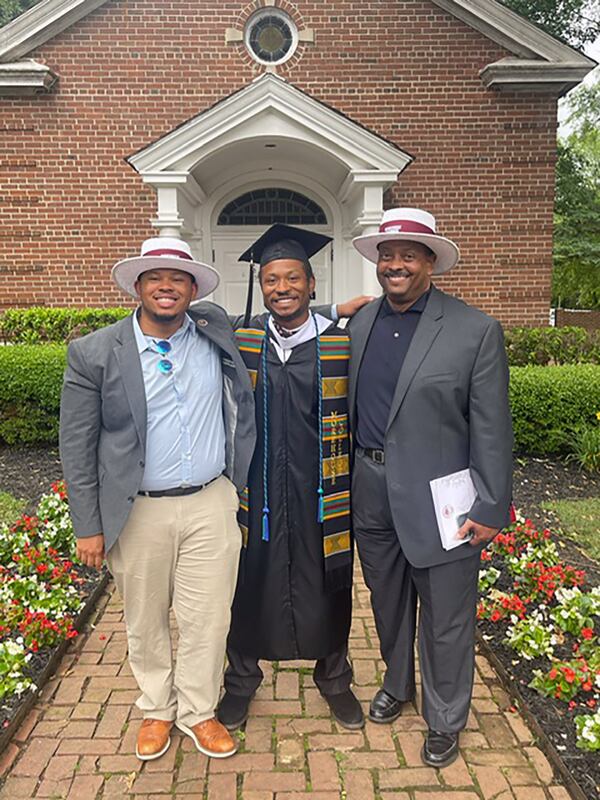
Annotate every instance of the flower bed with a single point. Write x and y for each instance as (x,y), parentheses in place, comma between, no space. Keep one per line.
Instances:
(42,599)
(542,620)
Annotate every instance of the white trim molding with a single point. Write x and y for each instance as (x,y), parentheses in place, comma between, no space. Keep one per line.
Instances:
(558,66)
(516,74)
(41,23)
(25,78)
(541,62)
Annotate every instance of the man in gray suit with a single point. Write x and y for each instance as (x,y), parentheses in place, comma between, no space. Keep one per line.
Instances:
(428,397)
(157,432)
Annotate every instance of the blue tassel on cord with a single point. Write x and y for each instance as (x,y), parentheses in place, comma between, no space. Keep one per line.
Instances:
(265,524)
(321,509)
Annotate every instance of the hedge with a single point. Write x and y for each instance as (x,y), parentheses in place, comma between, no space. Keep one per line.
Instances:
(30,385)
(548,403)
(524,346)
(39,325)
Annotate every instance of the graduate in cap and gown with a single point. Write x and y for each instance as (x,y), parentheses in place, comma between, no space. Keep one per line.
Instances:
(293,597)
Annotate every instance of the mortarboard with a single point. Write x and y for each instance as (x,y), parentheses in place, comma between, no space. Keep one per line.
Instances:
(284,241)
(280,241)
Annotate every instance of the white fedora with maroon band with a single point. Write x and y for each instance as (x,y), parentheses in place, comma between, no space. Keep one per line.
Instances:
(410,224)
(165,253)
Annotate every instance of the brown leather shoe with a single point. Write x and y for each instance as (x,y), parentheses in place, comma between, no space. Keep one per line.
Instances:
(153,739)
(210,738)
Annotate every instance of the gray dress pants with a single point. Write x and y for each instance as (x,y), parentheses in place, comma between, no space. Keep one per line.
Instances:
(447,600)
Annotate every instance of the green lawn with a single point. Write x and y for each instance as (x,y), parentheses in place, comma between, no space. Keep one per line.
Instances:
(10,508)
(580,521)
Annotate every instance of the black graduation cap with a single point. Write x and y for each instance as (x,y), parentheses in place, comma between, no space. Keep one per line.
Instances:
(281,241)
(284,241)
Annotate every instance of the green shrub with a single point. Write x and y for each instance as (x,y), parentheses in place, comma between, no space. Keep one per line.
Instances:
(549,404)
(586,448)
(39,324)
(543,346)
(30,385)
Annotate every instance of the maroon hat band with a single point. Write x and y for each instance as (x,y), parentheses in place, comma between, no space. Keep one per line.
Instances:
(167,252)
(406,226)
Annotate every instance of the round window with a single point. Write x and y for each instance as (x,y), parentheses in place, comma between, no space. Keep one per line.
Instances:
(271,36)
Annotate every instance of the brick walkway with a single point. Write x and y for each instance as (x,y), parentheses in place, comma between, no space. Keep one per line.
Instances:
(79,741)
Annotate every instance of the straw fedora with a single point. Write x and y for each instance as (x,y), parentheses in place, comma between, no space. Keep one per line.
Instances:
(411,224)
(165,252)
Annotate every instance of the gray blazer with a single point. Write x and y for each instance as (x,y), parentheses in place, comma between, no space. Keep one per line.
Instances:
(103,420)
(450,411)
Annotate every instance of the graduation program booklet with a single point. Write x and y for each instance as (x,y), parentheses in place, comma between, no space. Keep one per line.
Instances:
(453,495)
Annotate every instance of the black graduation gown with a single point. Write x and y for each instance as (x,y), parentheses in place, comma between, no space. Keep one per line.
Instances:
(281,610)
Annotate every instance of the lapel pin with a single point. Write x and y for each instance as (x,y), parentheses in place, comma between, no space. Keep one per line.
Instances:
(202,322)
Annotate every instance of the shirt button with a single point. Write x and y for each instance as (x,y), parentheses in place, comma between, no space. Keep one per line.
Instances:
(142,463)
(396,334)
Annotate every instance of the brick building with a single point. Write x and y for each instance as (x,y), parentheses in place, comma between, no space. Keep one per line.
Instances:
(124,119)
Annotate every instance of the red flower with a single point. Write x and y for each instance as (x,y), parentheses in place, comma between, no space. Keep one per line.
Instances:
(495,616)
(569,675)
(591,702)
(587,633)
(553,673)
(587,686)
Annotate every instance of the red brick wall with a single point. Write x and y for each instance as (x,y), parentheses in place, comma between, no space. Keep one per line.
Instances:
(131,71)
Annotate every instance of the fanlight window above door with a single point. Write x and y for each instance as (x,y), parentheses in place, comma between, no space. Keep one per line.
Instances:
(267,206)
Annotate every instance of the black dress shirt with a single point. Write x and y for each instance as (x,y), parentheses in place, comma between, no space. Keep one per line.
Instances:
(384,355)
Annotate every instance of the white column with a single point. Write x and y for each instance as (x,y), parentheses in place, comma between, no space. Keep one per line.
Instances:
(178,197)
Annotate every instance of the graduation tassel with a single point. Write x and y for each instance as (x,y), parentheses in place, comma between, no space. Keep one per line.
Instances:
(265,379)
(265,524)
(320,514)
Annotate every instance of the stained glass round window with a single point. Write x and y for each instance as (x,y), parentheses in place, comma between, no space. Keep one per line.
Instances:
(271,36)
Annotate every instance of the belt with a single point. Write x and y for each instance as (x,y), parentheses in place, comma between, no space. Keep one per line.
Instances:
(378,456)
(178,491)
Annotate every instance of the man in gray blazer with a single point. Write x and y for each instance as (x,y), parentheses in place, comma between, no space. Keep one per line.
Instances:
(157,432)
(428,397)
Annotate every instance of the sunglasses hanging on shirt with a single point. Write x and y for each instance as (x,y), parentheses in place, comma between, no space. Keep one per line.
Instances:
(162,348)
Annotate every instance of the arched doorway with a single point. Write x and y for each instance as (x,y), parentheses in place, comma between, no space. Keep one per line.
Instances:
(243,219)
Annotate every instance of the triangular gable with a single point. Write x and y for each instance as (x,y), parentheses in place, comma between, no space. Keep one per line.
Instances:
(539,60)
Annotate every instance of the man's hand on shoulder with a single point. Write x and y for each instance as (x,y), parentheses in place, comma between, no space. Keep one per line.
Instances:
(90,551)
(480,534)
(350,307)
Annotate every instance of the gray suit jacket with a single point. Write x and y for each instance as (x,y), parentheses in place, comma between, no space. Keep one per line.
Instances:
(450,411)
(103,420)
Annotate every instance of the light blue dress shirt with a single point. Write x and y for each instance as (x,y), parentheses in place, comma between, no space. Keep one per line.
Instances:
(185,434)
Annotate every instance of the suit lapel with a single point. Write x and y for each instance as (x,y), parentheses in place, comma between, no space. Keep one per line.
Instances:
(426,333)
(360,330)
(221,335)
(128,359)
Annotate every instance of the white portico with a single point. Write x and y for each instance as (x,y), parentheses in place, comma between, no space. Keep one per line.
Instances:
(271,153)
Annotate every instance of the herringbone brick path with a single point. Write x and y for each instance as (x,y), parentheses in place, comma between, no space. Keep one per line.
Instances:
(79,741)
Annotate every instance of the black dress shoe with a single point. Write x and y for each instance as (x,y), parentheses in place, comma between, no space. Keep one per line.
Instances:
(384,707)
(346,710)
(232,711)
(440,749)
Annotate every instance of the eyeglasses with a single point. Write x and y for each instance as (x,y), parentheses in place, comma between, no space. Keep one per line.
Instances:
(162,348)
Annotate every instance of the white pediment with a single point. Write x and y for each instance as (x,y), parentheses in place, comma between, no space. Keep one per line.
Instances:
(270,108)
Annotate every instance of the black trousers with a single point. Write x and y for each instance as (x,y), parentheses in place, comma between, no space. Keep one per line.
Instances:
(447,600)
(332,674)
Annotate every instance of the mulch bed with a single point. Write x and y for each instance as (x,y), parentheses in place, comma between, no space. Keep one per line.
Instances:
(28,473)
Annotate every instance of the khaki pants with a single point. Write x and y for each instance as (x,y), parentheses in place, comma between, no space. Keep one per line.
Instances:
(179,552)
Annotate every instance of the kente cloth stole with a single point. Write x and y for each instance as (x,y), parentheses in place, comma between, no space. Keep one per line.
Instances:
(333,484)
